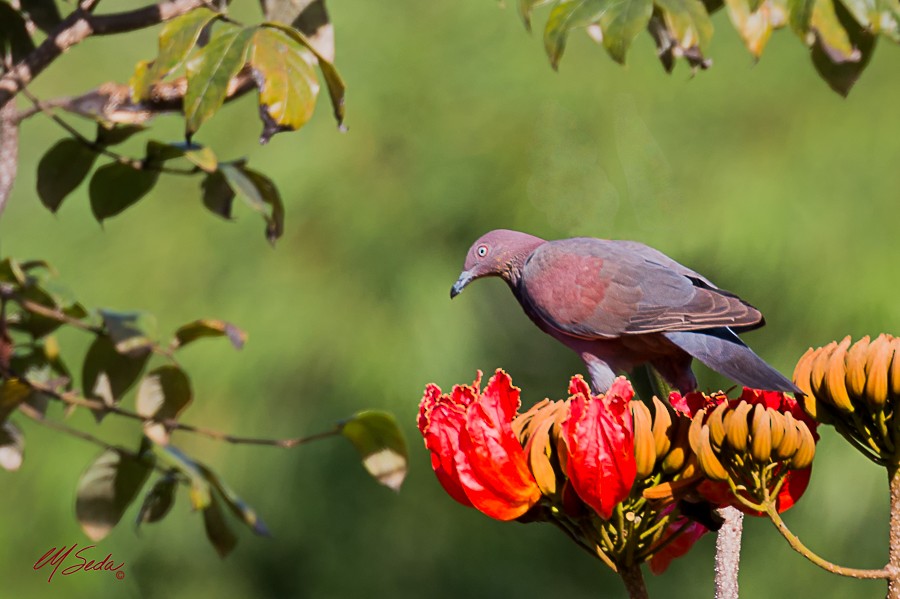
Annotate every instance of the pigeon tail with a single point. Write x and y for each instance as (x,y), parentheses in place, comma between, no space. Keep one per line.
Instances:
(723,351)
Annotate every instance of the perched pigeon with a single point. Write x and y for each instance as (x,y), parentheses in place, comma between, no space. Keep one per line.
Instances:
(621,304)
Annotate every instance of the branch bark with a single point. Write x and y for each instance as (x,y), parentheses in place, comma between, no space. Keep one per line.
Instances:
(9,152)
(112,102)
(80,25)
(728,553)
(894,563)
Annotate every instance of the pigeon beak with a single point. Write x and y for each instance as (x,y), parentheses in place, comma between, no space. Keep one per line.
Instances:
(464,279)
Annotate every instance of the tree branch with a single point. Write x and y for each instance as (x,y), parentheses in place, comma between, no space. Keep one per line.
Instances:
(80,25)
(74,399)
(112,102)
(728,553)
(9,151)
(887,572)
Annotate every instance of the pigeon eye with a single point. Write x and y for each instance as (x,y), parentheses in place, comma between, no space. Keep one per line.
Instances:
(482,251)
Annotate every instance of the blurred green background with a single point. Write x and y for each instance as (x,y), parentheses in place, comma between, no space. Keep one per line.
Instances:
(758,176)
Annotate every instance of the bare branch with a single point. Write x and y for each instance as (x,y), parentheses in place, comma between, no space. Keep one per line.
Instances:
(9,151)
(112,102)
(80,25)
(72,398)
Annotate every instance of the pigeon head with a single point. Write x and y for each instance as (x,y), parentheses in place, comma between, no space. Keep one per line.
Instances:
(500,253)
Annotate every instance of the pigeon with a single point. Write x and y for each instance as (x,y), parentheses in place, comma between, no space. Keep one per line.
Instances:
(623,304)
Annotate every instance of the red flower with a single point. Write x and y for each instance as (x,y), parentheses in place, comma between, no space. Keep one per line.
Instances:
(474,452)
(599,438)
(688,533)
(795,482)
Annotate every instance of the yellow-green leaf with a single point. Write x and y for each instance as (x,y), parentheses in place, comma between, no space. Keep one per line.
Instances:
(210,72)
(333,80)
(755,28)
(526,7)
(621,23)
(381,444)
(565,16)
(688,22)
(288,85)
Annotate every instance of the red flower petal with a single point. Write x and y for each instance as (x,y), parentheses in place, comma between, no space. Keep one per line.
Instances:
(599,438)
(440,421)
(492,465)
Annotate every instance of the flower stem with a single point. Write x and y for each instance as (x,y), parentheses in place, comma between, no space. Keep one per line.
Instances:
(728,553)
(634,581)
(894,563)
(803,550)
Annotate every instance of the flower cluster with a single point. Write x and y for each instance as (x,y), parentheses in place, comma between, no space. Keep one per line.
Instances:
(628,481)
(759,447)
(855,388)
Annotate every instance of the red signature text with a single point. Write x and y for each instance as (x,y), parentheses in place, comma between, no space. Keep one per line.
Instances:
(56,557)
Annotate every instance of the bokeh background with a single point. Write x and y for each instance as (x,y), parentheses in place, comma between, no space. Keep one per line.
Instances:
(757,175)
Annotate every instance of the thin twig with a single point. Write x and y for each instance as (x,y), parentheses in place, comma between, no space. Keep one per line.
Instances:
(35,415)
(136,164)
(74,399)
(112,102)
(80,25)
(799,547)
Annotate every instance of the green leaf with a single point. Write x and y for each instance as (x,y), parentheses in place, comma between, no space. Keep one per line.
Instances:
(621,23)
(381,444)
(106,489)
(141,80)
(200,492)
(755,28)
(888,23)
(526,7)
(163,394)
(61,170)
(238,506)
(199,329)
(111,134)
(12,393)
(179,36)
(12,447)
(38,325)
(14,39)
(218,197)
(217,530)
(176,40)
(799,15)
(688,22)
(260,194)
(12,272)
(127,331)
(566,16)
(333,80)
(288,85)
(43,13)
(865,12)
(831,37)
(839,69)
(159,500)
(200,156)
(209,73)
(310,17)
(117,186)
(107,374)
